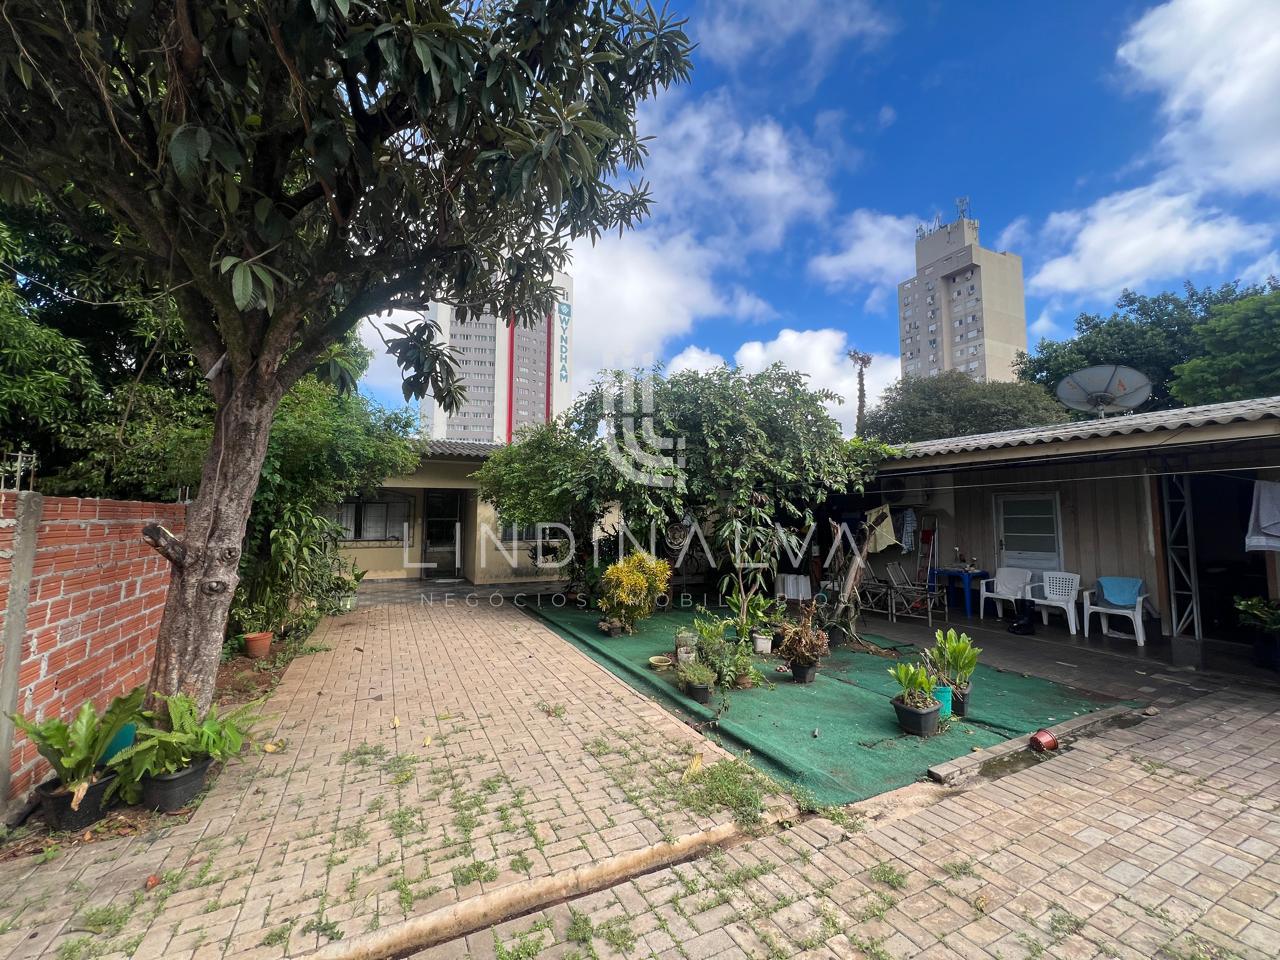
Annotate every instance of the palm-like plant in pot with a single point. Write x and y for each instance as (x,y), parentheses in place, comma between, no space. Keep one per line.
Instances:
(79,793)
(804,644)
(955,658)
(916,706)
(168,764)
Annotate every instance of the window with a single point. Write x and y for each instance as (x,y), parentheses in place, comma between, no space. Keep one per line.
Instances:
(383,516)
(1027,531)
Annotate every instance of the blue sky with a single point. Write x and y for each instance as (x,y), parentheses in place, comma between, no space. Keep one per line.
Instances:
(1111,144)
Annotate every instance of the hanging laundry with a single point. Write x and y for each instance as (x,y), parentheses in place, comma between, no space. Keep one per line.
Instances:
(879,529)
(1264,521)
(909,527)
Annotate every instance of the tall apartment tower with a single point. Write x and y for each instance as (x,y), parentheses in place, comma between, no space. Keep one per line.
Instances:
(964,309)
(515,375)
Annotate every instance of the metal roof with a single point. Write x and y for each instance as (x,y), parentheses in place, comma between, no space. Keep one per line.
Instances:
(470,449)
(1234,411)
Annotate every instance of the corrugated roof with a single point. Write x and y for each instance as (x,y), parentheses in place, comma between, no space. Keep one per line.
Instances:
(473,449)
(1210,413)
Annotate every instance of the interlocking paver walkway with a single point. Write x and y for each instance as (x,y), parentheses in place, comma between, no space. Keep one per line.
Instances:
(1157,841)
(431,754)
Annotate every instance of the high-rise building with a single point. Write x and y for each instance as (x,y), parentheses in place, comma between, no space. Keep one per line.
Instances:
(515,375)
(964,309)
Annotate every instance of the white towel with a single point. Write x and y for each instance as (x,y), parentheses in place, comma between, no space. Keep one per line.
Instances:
(1264,521)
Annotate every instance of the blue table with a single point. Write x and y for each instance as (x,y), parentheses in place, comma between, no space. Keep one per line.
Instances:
(965,576)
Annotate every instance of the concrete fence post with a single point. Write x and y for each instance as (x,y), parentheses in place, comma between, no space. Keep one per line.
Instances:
(26,521)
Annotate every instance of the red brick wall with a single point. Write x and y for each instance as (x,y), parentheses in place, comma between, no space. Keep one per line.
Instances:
(96,597)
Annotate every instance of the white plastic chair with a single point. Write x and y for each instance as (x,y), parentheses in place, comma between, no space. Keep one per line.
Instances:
(1009,583)
(1059,589)
(1107,610)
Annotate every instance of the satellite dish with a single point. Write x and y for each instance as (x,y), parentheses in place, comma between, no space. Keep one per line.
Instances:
(1106,388)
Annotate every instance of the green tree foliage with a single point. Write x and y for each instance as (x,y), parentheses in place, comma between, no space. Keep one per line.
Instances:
(759,444)
(953,404)
(1239,353)
(1152,334)
(46,379)
(289,167)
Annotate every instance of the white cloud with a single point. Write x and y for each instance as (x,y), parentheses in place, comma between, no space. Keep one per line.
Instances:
(1015,236)
(875,250)
(635,293)
(383,379)
(695,358)
(1263,269)
(1149,233)
(822,354)
(1216,66)
(1044,325)
(886,117)
(744,178)
(732,32)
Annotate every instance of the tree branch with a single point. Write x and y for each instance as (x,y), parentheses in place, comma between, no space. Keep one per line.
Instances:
(166,544)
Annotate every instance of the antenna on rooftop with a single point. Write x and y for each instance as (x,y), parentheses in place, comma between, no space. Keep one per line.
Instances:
(962,207)
(1106,388)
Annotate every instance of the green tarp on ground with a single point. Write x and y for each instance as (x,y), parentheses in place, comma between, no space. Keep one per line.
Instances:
(858,750)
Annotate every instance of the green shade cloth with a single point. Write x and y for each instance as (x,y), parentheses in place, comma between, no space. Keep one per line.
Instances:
(859,751)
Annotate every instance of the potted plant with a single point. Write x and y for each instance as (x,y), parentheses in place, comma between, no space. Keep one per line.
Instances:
(686,645)
(77,794)
(698,679)
(714,648)
(345,587)
(259,621)
(916,706)
(745,673)
(957,658)
(168,764)
(610,626)
(1263,615)
(804,645)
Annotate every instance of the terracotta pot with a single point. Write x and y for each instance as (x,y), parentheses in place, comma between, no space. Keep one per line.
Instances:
(257,645)
(1043,740)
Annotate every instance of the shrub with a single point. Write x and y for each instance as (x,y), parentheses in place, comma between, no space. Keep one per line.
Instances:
(631,588)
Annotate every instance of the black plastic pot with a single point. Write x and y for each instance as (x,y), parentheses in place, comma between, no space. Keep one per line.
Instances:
(804,672)
(921,723)
(173,791)
(700,692)
(56,804)
(960,700)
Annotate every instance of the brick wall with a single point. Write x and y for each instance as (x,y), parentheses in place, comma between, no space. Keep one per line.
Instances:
(96,595)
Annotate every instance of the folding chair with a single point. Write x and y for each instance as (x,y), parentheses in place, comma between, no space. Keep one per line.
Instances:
(914,599)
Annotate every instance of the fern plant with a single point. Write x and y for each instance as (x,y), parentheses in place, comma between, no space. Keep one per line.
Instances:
(185,739)
(74,751)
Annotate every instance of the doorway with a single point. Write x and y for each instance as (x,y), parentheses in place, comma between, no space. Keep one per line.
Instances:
(1224,568)
(441,540)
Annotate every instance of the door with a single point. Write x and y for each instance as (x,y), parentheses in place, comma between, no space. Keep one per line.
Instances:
(1028,532)
(441,513)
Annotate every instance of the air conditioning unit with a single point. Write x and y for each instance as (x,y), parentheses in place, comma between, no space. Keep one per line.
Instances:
(904,492)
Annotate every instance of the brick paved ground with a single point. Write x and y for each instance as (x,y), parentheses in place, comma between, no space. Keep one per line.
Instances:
(433,754)
(1157,841)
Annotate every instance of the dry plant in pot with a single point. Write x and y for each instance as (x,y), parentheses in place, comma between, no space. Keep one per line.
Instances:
(804,645)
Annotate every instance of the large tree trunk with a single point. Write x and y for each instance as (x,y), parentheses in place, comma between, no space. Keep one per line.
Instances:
(205,560)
